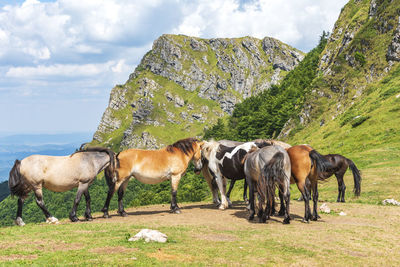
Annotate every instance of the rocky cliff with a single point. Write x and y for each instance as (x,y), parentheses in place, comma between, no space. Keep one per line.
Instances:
(185,84)
(363,49)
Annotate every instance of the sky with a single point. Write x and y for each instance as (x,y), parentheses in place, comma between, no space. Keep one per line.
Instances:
(60,59)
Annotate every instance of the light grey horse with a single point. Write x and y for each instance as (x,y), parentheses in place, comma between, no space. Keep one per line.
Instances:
(59,174)
(264,169)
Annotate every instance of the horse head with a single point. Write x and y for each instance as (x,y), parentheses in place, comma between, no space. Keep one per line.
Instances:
(198,156)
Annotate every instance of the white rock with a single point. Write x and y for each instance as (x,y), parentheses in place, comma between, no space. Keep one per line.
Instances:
(342,213)
(324,208)
(149,235)
(391,201)
(52,220)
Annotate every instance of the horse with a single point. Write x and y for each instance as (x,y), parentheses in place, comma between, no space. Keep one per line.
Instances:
(307,166)
(224,161)
(265,168)
(152,167)
(229,143)
(340,165)
(59,174)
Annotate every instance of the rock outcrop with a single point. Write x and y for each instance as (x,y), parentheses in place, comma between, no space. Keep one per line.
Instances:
(186,83)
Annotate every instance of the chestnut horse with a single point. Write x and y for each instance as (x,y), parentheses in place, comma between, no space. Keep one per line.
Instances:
(307,163)
(152,167)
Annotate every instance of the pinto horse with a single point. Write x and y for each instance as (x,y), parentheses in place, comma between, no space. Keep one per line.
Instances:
(59,174)
(265,168)
(307,166)
(224,161)
(229,143)
(152,167)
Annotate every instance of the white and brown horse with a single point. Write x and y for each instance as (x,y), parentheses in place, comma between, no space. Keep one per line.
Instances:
(152,167)
(59,174)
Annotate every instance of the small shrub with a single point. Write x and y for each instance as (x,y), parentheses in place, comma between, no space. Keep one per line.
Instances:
(360,58)
(359,120)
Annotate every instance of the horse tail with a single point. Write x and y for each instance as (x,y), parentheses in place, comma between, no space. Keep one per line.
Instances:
(16,184)
(322,164)
(356,176)
(274,172)
(110,172)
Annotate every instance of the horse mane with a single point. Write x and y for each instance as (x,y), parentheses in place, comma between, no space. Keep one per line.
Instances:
(184,145)
(254,148)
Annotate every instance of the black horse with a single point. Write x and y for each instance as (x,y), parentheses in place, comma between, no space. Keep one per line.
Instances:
(340,165)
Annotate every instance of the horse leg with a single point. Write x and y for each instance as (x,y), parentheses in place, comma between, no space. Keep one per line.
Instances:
(222,186)
(282,210)
(306,197)
(81,188)
(251,200)
(212,185)
(246,200)
(174,190)
(341,187)
(18,219)
(286,196)
(88,211)
(228,194)
(111,190)
(121,192)
(314,187)
(40,203)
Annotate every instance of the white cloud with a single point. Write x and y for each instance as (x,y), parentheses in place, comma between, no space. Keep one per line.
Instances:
(74,49)
(68,70)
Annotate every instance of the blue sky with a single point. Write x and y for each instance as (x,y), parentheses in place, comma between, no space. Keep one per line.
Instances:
(60,59)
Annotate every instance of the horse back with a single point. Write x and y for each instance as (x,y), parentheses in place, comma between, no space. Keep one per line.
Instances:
(156,162)
(300,161)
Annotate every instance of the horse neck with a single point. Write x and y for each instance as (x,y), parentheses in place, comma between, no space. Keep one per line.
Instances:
(100,160)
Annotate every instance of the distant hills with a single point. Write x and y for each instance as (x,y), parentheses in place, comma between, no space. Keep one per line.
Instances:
(22,145)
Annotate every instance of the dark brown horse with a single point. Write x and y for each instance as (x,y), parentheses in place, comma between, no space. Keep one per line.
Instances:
(307,166)
(340,165)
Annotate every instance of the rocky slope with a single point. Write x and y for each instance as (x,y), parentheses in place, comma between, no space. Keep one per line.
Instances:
(363,48)
(184,84)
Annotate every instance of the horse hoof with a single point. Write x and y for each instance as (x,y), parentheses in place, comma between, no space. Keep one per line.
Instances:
(106,216)
(251,218)
(89,218)
(286,221)
(73,218)
(19,221)
(123,213)
(305,221)
(221,207)
(176,211)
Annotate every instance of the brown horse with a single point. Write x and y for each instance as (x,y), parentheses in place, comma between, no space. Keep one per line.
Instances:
(307,166)
(152,167)
(340,165)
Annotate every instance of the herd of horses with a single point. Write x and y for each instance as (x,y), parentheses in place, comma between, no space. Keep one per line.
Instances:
(266,166)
